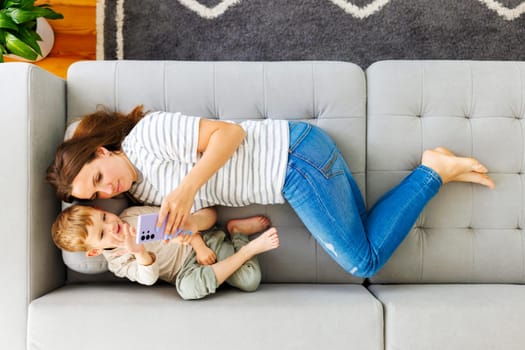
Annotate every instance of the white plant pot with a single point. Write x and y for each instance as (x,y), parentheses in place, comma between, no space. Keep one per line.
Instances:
(44,29)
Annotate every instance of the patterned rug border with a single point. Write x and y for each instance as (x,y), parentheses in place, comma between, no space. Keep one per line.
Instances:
(111,18)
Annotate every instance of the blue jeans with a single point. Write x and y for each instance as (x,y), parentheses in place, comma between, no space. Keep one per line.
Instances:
(323,193)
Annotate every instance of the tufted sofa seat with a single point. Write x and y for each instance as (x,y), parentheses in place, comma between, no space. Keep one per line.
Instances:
(455,283)
(457,280)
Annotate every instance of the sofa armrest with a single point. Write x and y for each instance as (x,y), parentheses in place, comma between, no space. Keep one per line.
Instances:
(32,123)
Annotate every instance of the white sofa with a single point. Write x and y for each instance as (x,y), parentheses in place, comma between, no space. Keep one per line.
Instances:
(455,283)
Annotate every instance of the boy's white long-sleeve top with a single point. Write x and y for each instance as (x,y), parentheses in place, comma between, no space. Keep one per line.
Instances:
(169,257)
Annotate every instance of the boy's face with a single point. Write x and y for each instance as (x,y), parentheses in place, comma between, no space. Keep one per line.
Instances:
(106,232)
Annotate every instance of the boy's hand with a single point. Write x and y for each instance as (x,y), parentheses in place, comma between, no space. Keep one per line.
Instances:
(129,243)
(203,253)
(205,256)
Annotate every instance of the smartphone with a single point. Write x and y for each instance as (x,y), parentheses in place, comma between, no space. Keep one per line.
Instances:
(146,229)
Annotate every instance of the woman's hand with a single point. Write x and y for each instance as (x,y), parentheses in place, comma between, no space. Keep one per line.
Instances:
(176,208)
(187,233)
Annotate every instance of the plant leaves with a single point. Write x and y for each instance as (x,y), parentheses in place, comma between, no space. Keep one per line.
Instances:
(30,38)
(2,41)
(21,16)
(21,11)
(18,47)
(3,50)
(18,27)
(31,25)
(6,22)
(24,4)
(47,12)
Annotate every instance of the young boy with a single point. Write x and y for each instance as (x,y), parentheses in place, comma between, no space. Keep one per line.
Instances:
(84,228)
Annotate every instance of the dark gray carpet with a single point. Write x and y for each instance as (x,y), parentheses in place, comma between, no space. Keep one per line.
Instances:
(313,30)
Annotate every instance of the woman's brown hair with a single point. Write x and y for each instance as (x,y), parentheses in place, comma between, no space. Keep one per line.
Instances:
(102,121)
(100,129)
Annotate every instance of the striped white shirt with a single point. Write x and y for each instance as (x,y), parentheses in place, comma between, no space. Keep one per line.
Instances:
(163,149)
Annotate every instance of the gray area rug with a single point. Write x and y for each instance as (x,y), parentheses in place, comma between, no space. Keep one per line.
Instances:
(359,31)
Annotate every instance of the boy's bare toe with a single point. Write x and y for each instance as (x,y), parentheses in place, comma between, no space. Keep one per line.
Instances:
(268,240)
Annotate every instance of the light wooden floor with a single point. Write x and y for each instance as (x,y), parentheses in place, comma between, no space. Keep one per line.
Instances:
(75,35)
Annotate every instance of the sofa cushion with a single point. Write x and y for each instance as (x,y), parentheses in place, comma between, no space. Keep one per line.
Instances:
(467,233)
(331,95)
(453,317)
(275,317)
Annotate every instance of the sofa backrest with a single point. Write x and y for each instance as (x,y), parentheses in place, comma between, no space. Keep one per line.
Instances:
(467,233)
(331,95)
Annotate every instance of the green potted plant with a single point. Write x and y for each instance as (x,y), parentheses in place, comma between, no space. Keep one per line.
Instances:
(18,27)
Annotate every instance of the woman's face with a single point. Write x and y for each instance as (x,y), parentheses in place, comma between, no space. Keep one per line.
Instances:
(108,175)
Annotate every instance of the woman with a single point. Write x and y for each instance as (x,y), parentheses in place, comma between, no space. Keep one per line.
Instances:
(187,163)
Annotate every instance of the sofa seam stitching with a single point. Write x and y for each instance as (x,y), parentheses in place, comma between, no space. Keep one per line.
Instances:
(264,97)
(423,232)
(520,118)
(165,87)
(115,86)
(421,98)
(522,244)
(470,112)
(422,236)
(312,66)
(522,87)
(469,119)
(214,88)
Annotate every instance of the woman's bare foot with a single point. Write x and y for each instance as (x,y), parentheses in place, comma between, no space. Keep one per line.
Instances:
(453,168)
(268,240)
(248,226)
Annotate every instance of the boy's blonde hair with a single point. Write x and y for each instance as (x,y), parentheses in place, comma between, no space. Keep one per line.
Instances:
(70,228)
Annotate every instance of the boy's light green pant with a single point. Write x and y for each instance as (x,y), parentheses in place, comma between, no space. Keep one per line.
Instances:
(195,281)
